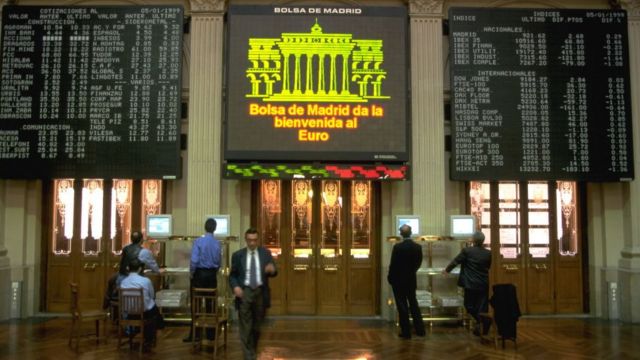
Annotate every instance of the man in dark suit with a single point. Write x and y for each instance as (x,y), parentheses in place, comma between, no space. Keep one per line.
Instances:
(474,278)
(251,268)
(406,259)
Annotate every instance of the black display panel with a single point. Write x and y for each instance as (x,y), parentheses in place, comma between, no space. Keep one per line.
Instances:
(310,83)
(90,92)
(540,94)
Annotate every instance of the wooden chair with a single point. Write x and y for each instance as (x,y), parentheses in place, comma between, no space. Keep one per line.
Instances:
(79,317)
(131,315)
(114,313)
(208,314)
(492,334)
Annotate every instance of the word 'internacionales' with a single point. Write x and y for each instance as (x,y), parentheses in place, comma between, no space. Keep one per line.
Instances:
(332,117)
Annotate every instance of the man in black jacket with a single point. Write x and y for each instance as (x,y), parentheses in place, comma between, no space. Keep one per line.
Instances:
(251,268)
(406,259)
(474,277)
(135,251)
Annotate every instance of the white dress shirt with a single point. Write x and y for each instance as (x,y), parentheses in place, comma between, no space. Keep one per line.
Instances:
(247,273)
(135,281)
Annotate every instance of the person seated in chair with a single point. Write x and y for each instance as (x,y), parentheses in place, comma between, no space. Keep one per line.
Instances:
(152,315)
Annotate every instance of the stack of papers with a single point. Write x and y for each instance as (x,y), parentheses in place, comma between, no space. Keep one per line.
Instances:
(171,298)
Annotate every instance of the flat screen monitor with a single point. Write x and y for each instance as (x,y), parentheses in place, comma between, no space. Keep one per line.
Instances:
(159,226)
(462,225)
(223,225)
(411,220)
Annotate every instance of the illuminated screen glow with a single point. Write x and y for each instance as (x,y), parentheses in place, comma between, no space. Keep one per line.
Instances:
(317,83)
(462,225)
(159,226)
(222,225)
(316,171)
(411,220)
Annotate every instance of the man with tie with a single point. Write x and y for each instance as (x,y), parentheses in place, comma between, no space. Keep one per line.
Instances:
(251,268)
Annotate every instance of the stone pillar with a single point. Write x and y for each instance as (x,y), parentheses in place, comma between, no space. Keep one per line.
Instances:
(5,263)
(629,263)
(427,114)
(205,112)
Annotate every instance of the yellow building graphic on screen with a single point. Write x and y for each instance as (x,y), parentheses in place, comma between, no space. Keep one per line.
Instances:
(316,67)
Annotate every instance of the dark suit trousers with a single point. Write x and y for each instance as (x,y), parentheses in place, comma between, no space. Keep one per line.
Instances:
(250,315)
(405,302)
(152,322)
(476,301)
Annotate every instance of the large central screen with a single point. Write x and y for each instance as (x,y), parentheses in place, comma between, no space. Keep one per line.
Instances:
(311,83)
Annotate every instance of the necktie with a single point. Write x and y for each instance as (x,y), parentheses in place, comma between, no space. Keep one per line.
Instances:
(253,273)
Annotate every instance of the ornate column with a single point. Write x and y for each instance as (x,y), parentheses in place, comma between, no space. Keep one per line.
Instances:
(297,75)
(427,114)
(285,72)
(205,112)
(629,264)
(345,74)
(308,87)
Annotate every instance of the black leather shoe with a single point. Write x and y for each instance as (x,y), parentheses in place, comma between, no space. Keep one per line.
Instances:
(403,336)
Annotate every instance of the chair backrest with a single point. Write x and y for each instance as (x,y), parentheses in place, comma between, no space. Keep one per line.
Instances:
(131,302)
(74,307)
(204,305)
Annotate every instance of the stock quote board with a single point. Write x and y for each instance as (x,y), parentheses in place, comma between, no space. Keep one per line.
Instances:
(90,92)
(317,84)
(540,94)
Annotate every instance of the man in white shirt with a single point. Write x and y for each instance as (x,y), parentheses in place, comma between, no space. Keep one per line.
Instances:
(151,313)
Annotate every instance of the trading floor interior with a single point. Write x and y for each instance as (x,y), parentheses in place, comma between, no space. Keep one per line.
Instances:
(353,339)
(330,215)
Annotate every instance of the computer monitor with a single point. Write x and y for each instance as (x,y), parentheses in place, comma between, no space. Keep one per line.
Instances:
(159,226)
(462,225)
(223,225)
(411,220)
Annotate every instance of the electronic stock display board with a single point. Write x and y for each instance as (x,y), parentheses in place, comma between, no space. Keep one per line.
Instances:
(317,84)
(90,92)
(540,94)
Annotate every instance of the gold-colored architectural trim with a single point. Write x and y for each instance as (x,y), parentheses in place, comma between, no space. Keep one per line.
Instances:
(425,7)
(632,6)
(208,6)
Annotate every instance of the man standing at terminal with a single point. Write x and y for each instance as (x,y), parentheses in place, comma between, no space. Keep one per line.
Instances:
(135,251)
(251,268)
(474,278)
(406,259)
(206,255)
